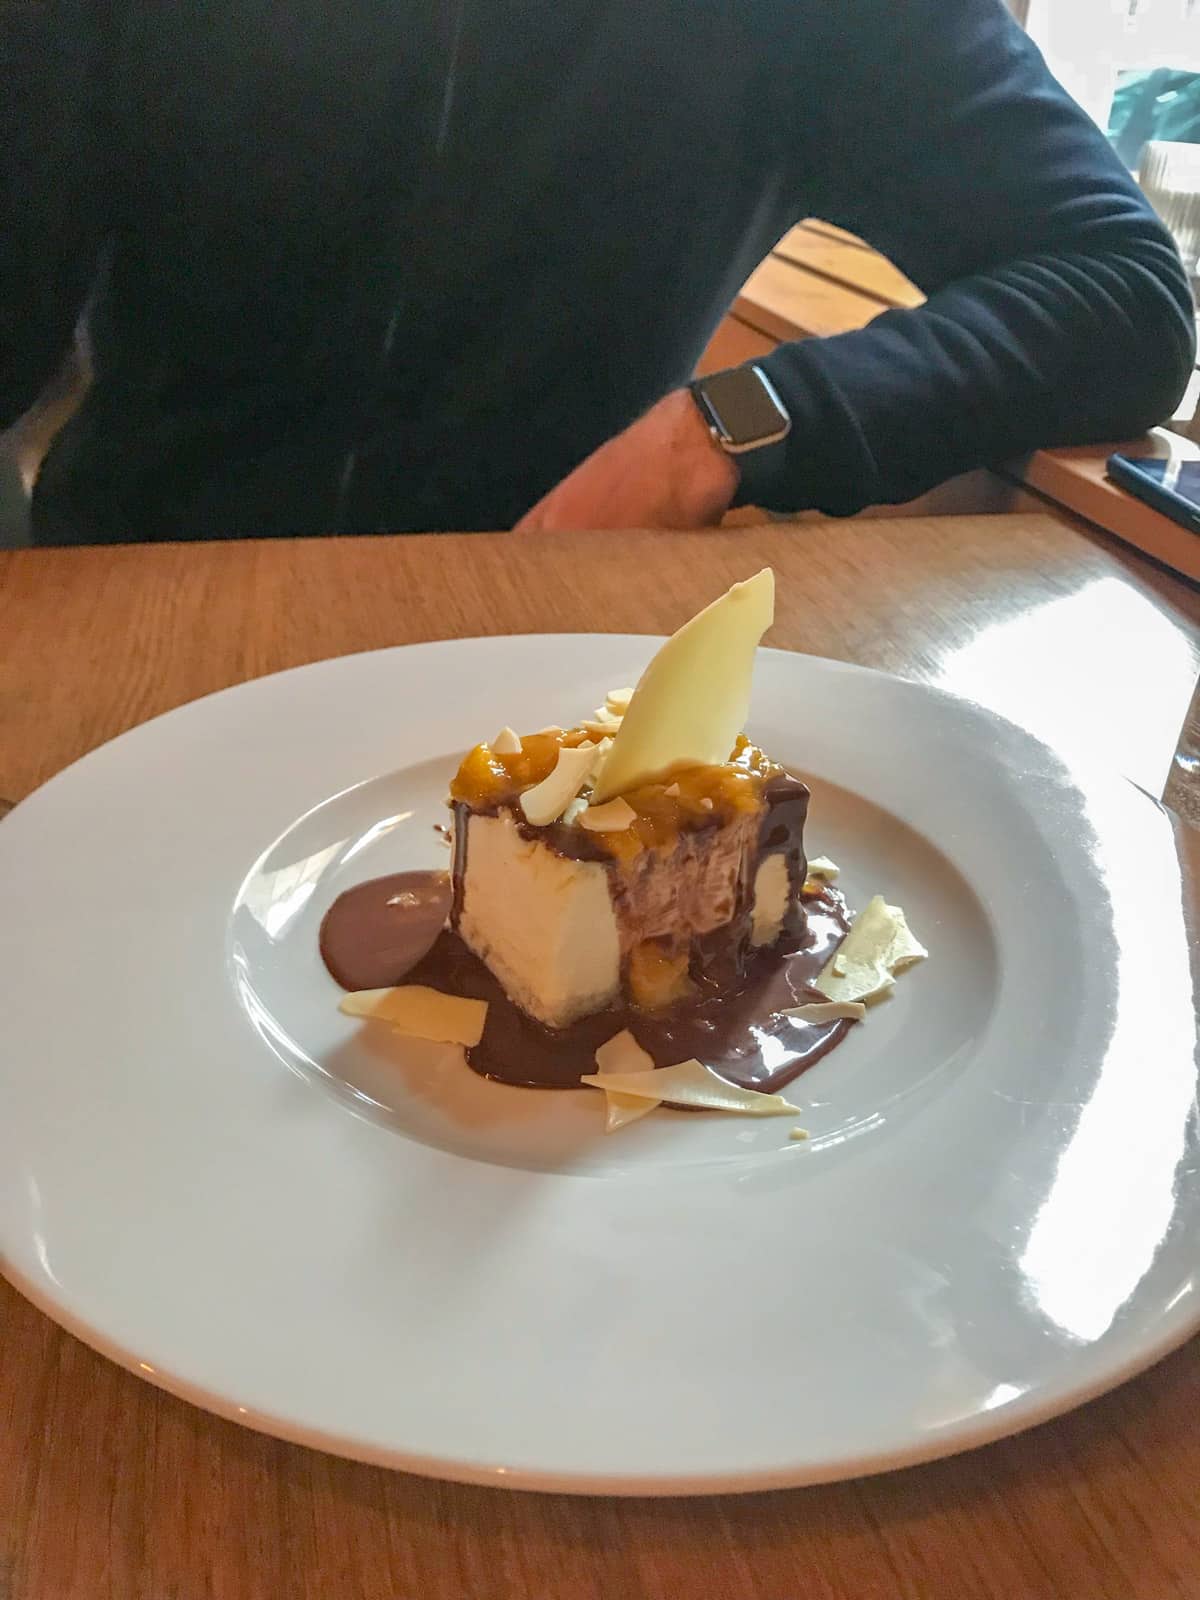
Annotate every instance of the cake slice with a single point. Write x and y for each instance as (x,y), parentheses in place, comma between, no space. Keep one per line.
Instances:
(573,919)
(639,856)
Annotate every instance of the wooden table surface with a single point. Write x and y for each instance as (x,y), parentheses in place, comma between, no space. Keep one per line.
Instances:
(111,1488)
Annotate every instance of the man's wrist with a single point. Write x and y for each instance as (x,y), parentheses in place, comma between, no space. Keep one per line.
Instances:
(708,476)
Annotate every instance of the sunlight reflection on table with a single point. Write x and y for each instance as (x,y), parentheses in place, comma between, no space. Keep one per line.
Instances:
(1061,670)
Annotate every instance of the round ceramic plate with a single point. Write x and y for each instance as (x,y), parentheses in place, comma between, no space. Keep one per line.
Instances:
(305,1224)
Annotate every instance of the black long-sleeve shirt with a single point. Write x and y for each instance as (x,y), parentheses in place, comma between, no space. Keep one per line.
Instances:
(400,264)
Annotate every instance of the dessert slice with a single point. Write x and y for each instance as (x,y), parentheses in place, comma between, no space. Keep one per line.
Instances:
(675,891)
(640,857)
(629,895)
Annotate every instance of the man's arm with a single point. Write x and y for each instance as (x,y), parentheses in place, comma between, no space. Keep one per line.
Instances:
(1058,311)
(54,156)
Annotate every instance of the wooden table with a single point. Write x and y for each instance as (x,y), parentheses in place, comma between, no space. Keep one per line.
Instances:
(110,1488)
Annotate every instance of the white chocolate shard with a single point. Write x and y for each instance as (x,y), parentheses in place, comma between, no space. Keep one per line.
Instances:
(690,1083)
(420,1013)
(620,1055)
(691,702)
(826,1011)
(879,945)
(602,750)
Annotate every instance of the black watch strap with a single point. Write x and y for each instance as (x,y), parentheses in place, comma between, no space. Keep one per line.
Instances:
(759,471)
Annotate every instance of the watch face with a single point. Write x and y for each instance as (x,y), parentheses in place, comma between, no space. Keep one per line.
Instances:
(745,407)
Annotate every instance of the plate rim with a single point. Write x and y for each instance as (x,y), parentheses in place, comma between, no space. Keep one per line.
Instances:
(1010,1420)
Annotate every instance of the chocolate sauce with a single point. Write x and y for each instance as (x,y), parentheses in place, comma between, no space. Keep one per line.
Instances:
(573,844)
(781,832)
(373,935)
(458,872)
(731,1026)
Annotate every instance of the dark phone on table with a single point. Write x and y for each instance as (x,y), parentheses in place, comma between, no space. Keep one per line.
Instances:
(1169,485)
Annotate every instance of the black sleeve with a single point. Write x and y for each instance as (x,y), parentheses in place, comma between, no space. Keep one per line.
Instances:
(55,150)
(1058,311)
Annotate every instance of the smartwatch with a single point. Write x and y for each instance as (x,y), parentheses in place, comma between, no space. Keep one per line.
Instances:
(748,420)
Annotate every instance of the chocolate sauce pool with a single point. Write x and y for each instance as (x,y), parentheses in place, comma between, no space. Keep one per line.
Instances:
(375,933)
(385,931)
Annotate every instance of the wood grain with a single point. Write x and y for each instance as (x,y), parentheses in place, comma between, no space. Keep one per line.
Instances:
(112,1490)
(849,265)
(817,225)
(781,300)
(733,343)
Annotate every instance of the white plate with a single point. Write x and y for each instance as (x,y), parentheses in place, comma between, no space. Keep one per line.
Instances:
(211,1175)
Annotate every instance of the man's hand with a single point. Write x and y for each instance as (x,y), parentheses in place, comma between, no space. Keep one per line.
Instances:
(665,471)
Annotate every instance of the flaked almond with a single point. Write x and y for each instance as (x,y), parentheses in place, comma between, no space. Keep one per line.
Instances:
(547,801)
(612,817)
(506,743)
